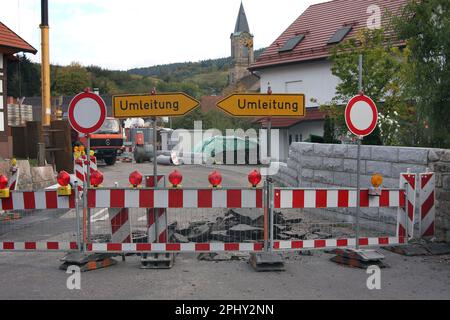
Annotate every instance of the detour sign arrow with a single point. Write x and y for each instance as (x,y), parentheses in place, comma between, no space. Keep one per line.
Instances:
(159,105)
(264,105)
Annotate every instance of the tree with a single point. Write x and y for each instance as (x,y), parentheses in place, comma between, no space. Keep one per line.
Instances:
(71,80)
(426,27)
(24,79)
(382,64)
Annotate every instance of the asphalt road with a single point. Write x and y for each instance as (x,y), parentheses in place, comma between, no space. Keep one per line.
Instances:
(36,275)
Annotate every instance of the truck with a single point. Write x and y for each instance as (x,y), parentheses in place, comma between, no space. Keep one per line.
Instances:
(107,142)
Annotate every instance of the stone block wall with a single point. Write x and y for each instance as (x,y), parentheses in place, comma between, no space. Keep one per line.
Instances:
(335,165)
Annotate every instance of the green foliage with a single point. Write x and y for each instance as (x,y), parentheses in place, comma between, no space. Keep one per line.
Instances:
(71,79)
(329,131)
(24,78)
(426,26)
(212,119)
(383,64)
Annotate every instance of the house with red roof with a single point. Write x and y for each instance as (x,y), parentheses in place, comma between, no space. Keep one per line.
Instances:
(10,44)
(297,61)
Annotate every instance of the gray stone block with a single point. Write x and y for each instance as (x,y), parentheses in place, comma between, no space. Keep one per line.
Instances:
(312,162)
(342,179)
(413,155)
(383,168)
(398,168)
(364,180)
(335,164)
(445,155)
(390,183)
(304,148)
(435,154)
(350,165)
(340,150)
(292,164)
(352,153)
(307,174)
(323,149)
(385,153)
(446,182)
(322,176)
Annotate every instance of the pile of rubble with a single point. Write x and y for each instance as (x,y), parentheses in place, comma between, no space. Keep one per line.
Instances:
(246,225)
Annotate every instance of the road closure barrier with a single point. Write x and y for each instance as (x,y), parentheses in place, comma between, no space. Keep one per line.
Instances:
(160,219)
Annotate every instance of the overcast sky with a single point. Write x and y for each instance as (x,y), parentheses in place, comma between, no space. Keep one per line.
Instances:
(123,34)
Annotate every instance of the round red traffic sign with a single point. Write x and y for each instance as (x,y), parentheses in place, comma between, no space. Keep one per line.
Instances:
(361,115)
(87,112)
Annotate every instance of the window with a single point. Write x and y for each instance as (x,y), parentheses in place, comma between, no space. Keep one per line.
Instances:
(291,43)
(290,139)
(296,138)
(339,35)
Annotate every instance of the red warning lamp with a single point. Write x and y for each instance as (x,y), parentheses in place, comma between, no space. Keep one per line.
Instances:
(175,178)
(254,178)
(135,178)
(4,190)
(64,188)
(96,178)
(215,178)
(63,178)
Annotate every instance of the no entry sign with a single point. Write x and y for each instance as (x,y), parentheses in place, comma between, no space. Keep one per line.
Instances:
(361,115)
(87,112)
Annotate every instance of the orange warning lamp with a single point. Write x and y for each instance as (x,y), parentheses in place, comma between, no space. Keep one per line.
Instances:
(254,178)
(4,190)
(376,181)
(64,188)
(215,178)
(175,178)
(96,178)
(135,178)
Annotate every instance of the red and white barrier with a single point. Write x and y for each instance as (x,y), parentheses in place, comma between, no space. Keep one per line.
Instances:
(36,200)
(427,204)
(120,225)
(338,198)
(38,246)
(79,173)
(174,247)
(405,213)
(337,243)
(244,247)
(156,217)
(175,198)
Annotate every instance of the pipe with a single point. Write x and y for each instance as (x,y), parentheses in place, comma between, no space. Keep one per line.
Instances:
(45,65)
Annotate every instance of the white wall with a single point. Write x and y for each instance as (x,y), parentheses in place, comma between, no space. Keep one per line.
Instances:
(314,79)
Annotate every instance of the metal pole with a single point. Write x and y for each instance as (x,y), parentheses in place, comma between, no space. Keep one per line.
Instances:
(405,186)
(271,204)
(358,190)
(269,140)
(77,215)
(88,185)
(358,163)
(266,215)
(155,165)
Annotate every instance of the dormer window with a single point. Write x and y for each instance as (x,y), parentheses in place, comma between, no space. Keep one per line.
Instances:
(340,35)
(292,43)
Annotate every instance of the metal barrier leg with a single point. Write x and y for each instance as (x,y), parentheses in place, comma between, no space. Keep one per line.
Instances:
(157,260)
(82,259)
(268,260)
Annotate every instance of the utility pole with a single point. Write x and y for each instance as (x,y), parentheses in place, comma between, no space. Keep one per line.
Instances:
(45,65)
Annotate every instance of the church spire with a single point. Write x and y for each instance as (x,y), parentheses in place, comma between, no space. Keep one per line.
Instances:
(241,22)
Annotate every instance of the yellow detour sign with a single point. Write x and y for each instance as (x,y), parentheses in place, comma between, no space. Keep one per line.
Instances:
(264,105)
(158,105)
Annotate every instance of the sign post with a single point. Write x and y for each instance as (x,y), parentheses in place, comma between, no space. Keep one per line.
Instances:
(87,113)
(361,116)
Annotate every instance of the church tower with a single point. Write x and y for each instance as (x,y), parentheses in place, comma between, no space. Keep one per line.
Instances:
(241,48)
